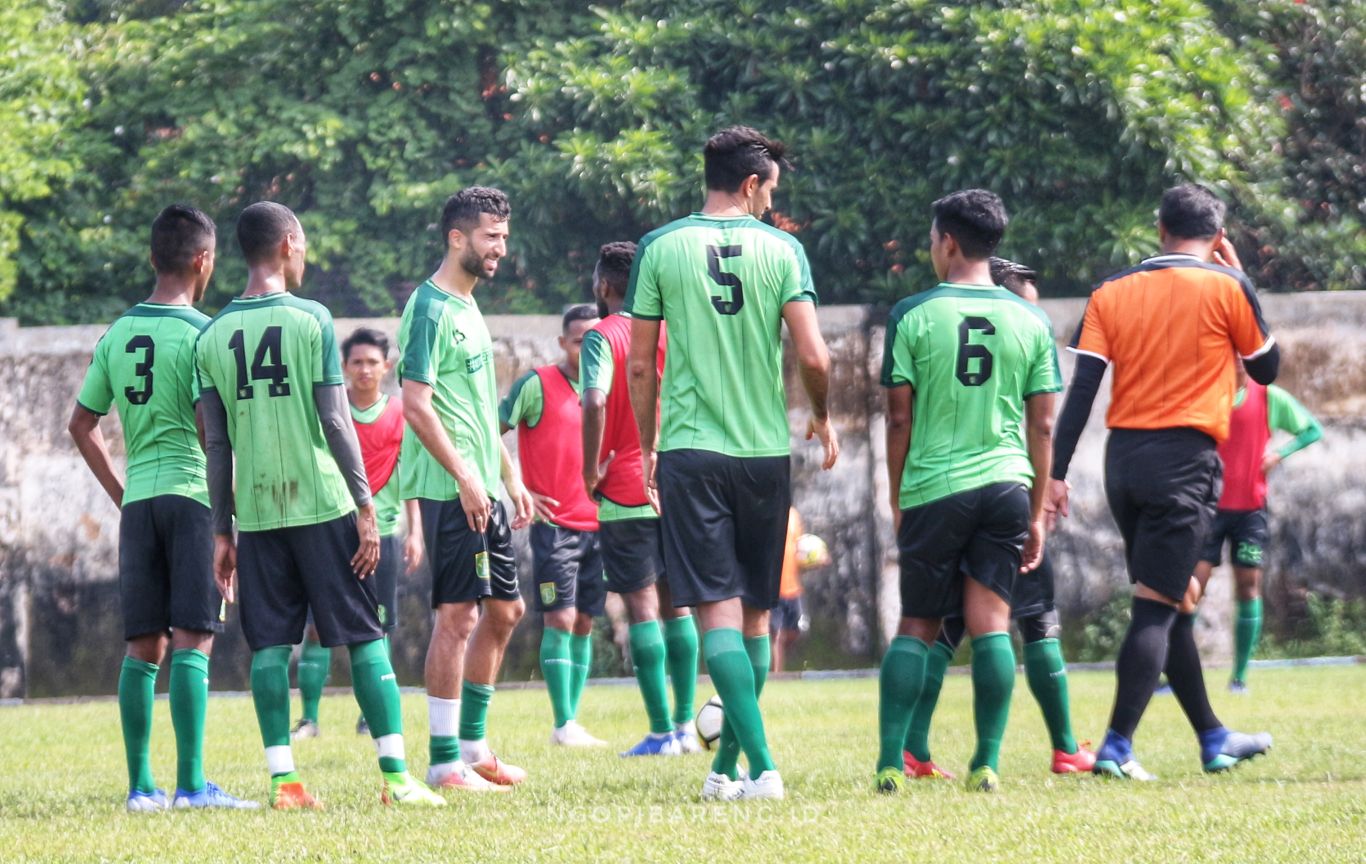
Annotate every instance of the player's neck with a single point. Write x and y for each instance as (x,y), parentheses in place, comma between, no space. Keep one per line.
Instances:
(265,280)
(172,291)
(1196,248)
(454,279)
(963,271)
(615,305)
(570,370)
(719,203)
(363,399)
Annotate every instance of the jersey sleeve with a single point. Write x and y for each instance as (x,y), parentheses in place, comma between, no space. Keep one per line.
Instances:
(1246,326)
(1091,337)
(897,365)
(97,392)
(1284,413)
(420,349)
(798,285)
(596,367)
(329,370)
(642,290)
(524,402)
(1045,376)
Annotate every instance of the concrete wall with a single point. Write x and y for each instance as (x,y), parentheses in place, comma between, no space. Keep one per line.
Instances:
(60,623)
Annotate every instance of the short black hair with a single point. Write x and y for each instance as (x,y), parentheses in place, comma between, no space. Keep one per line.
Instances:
(1011,275)
(1191,211)
(261,227)
(614,263)
(975,217)
(179,233)
(582,312)
(736,152)
(462,209)
(365,336)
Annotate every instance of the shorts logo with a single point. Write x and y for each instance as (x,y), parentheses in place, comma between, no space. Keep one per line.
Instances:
(1249,553)
(481,565)
(547,593)
(383,614)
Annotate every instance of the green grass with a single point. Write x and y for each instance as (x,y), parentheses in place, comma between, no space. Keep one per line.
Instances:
(63,783)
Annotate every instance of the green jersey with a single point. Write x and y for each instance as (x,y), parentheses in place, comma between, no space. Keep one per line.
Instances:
(386,498)
(264,355)
(144,366)
(721,283)
(445,344)
(526,400)
(972,354)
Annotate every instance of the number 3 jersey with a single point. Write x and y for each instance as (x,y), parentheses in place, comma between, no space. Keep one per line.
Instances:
(721,284)
(144,366)
(264,355)
(972,354)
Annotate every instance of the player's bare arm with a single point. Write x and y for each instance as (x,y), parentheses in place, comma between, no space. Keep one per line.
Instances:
(421,417)
(522,501)
(84,428)
(1039,441)
(1076,411)
(898,422)
(594,422)
(414,543)
(641,373)
(334,414)
(813,360)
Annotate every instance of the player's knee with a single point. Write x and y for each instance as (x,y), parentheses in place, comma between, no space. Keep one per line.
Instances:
(583,624)
(561,619)
(504,614)
(1036,628)
(149,648)
(455,621)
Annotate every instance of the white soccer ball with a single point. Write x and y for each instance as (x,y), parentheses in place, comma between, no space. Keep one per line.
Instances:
(708,722)
(812,551)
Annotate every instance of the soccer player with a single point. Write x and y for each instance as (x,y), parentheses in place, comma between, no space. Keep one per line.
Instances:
(1169,326)
(788,620)
(1032,607)
(543,406)
(452,459)
(144,367)
(724,282)
(379,428)
(1240,519)
(970,371)
(629,527)
(273,399)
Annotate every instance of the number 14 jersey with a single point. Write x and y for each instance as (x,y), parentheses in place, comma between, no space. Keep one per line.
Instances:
(972,354)
(721,284)
(264,355)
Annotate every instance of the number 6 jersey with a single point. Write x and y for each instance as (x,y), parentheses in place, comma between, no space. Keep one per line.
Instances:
(972,355)
(264,355)
(144,366)
(721,284)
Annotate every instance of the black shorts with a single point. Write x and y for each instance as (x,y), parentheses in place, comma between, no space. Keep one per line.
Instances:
(166,567)
(567,567)
(1246,532)
(1033,591)
(724,521)
(632,553)
(467,566)
(285,573)
(787,615)
(386,580)
(980,532)
(1162,485)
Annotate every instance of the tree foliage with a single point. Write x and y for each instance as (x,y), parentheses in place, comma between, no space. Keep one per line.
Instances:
(364,116)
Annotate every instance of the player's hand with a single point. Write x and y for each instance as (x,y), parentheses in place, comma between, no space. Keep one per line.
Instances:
(544,505)
(1225,255)
(413,551)
(829,440)
(1055,502)
(524,507)
(475,502)
(1270,461)
(896,512)
(225,566)
(1032,555)
(591,478)
(648,460)
(366,559)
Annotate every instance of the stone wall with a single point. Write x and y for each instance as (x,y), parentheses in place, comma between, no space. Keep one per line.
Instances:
(60,627)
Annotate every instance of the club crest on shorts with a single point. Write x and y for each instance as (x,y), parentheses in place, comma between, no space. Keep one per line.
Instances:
(481,565)
(547,593)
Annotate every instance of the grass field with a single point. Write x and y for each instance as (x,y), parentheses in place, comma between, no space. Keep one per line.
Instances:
(63,782)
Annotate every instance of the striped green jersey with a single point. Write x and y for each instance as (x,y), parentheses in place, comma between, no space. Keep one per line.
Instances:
(144,367)
(721,284)
(264,355)
(972,354)
(445,344)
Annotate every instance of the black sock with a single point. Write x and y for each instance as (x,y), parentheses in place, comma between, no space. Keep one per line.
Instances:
(1185,676)
(1140,663)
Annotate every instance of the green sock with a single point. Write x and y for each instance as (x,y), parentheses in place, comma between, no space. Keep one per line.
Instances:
(315,666)
(731,672)
(474,710)
(137,688)
(1246,631)
(1047,676)
(581,650)
(189,705)
(918,734)
(647,656)
(270,693)
(727,760)
(899,685)
(993,679)
(558,670)
(680,642)
(372,678)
